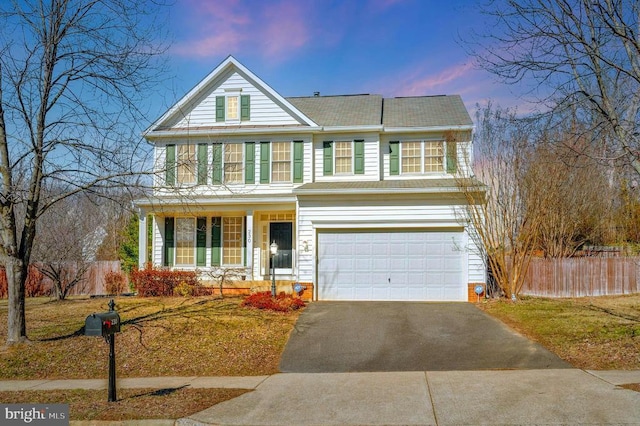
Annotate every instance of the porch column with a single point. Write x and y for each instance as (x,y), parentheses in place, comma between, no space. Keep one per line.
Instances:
(142,238)
(249,244)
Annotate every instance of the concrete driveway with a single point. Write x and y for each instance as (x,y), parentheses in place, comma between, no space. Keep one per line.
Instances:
(407,336)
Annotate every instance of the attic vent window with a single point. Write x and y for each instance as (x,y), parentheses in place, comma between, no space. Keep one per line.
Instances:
(233,107)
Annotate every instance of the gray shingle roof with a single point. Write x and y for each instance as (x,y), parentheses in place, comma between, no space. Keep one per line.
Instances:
(425,111)
(360,110)
(347,110)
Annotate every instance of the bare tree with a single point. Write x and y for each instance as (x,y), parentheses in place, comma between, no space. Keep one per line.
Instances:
(577,198)
(67,241)
(73,75)
(499,220)
(583,56)
(225,275)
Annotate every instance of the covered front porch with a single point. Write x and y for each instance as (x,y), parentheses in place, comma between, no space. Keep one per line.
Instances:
(218,239)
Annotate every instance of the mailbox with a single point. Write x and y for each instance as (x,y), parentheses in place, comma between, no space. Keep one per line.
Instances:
(102,324)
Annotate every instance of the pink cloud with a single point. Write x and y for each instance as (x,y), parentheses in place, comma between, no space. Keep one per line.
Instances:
(274,30)
(419,84)
(285,28)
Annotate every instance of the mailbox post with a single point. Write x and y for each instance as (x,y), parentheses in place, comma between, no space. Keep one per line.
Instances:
(112,358)
(106,324)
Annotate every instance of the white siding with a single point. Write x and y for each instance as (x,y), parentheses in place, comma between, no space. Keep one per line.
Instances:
(371,157)
(378,214)
(158,240)
(236,188)
(264,111)
(464,152)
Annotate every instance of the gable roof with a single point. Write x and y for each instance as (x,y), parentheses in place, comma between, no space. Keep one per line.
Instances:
(425,111)
(345,110)
(393,114)
(228,65)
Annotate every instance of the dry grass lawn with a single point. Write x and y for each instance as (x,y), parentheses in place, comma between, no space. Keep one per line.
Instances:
(595,333)
(132,404)
(160,337)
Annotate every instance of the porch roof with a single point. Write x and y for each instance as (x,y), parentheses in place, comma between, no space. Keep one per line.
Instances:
(160,202)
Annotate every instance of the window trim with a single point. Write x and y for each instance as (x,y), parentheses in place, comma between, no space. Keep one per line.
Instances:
(423,157)
(193,241)
(223,242)
(241,147)
(227,109)
(179,162)
(272,161)
(351,156)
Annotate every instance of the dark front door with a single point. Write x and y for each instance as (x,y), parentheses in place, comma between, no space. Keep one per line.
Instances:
(281,233)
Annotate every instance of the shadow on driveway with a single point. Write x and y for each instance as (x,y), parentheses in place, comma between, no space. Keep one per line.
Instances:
(407,336)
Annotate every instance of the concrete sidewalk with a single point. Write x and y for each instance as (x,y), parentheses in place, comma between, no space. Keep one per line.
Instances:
(523,397)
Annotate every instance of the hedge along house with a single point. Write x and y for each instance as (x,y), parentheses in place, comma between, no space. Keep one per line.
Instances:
(357,191)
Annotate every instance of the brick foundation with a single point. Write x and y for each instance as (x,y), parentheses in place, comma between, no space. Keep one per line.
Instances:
(472,296)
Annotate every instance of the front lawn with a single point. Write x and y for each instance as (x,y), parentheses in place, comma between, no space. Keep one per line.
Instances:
(160,337)
(594,333)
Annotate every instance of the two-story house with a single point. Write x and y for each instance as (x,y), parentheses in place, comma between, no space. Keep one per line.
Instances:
(357,191)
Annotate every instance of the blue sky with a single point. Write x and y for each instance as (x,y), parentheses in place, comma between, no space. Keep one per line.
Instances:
(388,47)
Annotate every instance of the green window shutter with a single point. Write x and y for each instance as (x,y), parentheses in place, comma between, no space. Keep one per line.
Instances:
(169,241)
(170,165)
(245,107)
(244,241)
(394,158)
(327,158)
(298,161)
(249,162)
(216,241)
(202,164)
(220,108)
(216,164)
(358,148)
(264,161)
(149,238)
(201,241)
(452,157)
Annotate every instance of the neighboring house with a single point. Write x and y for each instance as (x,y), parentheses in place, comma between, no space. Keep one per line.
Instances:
(357,191)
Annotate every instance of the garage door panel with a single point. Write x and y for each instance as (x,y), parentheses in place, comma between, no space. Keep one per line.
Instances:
(390,265)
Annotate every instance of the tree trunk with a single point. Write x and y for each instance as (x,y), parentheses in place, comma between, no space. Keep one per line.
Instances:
(16,279)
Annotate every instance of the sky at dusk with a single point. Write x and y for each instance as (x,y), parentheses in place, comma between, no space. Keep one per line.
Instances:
(387,47)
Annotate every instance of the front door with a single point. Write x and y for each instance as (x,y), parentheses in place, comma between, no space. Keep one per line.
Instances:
(281,233)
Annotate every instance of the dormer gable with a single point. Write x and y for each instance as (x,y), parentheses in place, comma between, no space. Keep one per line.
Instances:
(230,97)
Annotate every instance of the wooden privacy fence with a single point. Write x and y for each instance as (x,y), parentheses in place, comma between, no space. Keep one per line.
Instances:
(582,276)
(92,284)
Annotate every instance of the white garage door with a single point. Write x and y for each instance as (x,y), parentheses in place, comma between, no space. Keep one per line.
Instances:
(391,265)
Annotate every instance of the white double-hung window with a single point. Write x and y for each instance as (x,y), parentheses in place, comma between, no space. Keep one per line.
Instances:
(233,163)
(185,241)
(281,162)
(343,157)
(422,157)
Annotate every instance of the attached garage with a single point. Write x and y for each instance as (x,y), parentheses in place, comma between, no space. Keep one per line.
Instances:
(406,265)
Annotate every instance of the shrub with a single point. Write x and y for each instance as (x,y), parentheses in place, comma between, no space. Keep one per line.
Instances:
(183,289)
(115,282)
(154,281)
(34,286)
(281,303)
